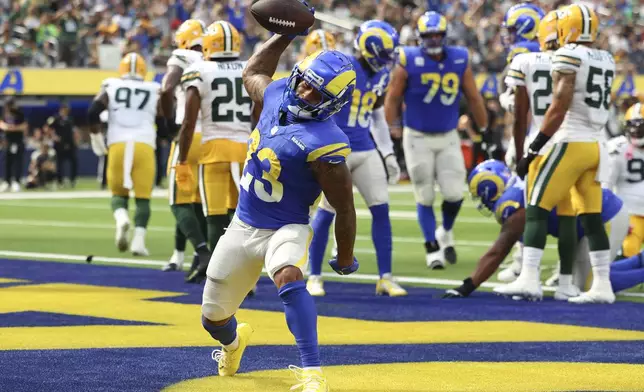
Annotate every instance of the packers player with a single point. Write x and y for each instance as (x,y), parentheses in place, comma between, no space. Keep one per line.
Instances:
(430,79)
(375,45)
(215,94)
(582,78)
(627,175)
(133,106)
(317,40)
(185,206)
(503,195)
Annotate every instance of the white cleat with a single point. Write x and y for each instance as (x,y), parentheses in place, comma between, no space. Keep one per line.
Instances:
(599,293)
(4,187)
(138,243)
(15,187)
(565,293)
(435,260)
(524,287)
(511,273)
(175,263)
(315,286)
(387,286)
(446,242)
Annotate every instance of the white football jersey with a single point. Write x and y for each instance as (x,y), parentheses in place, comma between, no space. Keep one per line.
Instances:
(590,107)
(532,70)
(132,110)
(183,58)
(225,104)
(627,173)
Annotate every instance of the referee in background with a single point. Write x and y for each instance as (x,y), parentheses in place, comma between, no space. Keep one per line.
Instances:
(14,126)
(61,130)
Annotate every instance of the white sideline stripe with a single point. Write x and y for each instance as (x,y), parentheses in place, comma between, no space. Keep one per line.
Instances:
(352,277)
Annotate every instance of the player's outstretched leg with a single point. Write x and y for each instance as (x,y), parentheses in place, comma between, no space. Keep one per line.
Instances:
(234,339)
(216,228)
(321,224)
(191,228)
(444,234)
(382,241)
(178,255)
(301,318)
(427,220)
(122,219)
(141,219)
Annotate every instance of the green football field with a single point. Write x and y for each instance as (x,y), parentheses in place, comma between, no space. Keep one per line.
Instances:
(70,225)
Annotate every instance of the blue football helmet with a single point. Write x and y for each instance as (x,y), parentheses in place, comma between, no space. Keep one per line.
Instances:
(376,42)
(487,182)
(432,32)
(521,23)
(330,73)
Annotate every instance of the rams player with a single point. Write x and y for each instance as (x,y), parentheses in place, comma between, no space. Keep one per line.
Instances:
(627,175)
(429,79)
(133,106)
(490,182)
(375,45)
(582,78)
(295,152)
(216,95)
(185,206)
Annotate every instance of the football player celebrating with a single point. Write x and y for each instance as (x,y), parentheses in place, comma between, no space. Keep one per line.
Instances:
(429,79)
(295,152)
(499,193)
(185,206)
(627,175)
(375,44)
(582,78)
(133,106)
(215,92)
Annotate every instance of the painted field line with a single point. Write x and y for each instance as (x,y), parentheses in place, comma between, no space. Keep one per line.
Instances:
(352,277)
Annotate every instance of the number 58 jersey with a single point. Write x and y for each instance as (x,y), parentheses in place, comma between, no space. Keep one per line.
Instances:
(590,106)
(225,104)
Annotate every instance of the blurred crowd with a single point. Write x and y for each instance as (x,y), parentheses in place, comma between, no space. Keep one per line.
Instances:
(68,33)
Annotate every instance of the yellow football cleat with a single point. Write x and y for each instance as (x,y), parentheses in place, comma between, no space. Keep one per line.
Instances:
(229,361)
(310,380)
(387,286)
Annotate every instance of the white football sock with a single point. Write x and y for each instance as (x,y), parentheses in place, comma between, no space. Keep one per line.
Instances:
(531,261)
(600,262)
(565,281)
(121,215)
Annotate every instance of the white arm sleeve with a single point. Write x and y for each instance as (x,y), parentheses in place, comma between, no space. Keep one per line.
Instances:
(380,132)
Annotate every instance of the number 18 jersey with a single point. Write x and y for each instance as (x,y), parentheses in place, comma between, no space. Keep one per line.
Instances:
(589,109)
(532,71)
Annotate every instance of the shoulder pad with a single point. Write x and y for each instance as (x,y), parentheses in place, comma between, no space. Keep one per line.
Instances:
(504,209)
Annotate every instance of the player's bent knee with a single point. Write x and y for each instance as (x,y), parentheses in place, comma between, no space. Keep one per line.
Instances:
(424,194)
(287,275)
(216,313)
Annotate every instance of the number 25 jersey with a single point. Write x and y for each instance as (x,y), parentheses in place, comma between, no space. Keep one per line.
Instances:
(590,106)
(278,186)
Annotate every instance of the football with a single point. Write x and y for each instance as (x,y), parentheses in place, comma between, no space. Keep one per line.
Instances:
(282,16)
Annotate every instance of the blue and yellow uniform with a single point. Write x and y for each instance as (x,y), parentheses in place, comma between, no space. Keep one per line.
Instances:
(433,90)
(523,47)
(278,186)
(355,118)
(521,24)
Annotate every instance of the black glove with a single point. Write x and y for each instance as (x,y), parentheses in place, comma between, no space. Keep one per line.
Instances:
(524,163)
(462,291)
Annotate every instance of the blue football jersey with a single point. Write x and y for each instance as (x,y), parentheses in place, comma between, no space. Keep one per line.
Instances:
(513,199)
(523,47)
(355,118)
(433,91)
(278,186)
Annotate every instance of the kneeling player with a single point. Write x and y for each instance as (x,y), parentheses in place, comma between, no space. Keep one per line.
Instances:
(503,195)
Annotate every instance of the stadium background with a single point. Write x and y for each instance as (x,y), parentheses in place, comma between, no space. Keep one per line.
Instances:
(77,327)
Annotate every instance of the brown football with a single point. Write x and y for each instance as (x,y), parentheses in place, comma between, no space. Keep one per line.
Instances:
(282,16)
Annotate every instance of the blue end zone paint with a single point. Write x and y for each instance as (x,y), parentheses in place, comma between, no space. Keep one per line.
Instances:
(46,319)
(151,369)
(351,300)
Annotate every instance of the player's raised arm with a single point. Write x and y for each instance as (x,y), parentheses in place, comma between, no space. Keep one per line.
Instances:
(394,100)
(262,65)
(474,99)
(335,181)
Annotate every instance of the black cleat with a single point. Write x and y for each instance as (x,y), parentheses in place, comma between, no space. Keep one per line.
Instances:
(450,254)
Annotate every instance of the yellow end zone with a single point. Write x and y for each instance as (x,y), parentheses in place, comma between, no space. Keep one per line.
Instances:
(438,377)
(182,327)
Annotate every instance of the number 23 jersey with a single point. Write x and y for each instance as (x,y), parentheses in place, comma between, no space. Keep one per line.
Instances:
(278,186)
(590,106)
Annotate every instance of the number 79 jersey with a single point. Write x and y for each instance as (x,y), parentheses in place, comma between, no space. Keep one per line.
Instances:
(590,106)
(225,104)
(532,71)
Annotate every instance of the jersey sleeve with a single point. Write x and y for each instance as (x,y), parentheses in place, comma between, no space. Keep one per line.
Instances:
(332,150)
(517,72)
(192,78)
(402,56)
(515,51)
(566,59)
(179,60)
(508,204)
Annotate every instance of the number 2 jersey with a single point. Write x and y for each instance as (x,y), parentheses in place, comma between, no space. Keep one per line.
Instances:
(433,91)
(225,107)
(355,118)
(532,71)
(513,199)
(627,173)
(132,110)
(590,106)
(183,58)
(278,186)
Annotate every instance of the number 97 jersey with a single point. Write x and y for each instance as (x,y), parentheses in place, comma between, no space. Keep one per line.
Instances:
(590,107)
